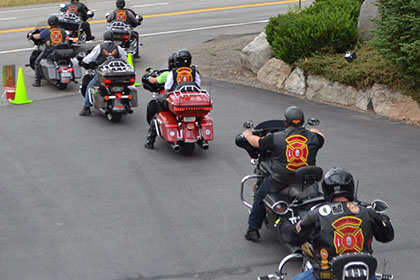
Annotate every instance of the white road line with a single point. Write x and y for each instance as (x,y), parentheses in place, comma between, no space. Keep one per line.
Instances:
(149,5)
(170,32)
(8,18)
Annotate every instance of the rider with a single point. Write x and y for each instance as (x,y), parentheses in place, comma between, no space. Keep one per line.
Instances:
(156,105)
(291,149)
(179,72)
(50,37)
(81,10)
(183,71)
(99,54)
(127,16)
(328,233)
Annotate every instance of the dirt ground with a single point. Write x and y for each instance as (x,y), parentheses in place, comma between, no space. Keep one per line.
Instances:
(220,59)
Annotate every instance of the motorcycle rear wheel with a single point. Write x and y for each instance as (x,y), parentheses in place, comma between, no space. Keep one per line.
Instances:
(187,149)
(114,117)
(61,86)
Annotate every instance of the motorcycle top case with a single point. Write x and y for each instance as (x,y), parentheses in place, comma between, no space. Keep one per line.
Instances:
(116,72)
(119,30)
(190,101)
(69,22)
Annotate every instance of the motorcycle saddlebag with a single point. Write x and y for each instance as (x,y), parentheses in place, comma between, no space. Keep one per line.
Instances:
(48,69)
(168,126)
(207,128)
(77,71)
(133,92)
(190,101)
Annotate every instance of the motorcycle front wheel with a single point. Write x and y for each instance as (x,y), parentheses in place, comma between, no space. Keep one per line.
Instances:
(187,149)
(114,117)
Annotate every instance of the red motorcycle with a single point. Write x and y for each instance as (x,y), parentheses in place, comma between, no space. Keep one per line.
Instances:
(185,119)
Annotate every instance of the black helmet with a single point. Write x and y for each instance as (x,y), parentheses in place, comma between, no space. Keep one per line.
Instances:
(294,116)
(108,35)
(120,3)
(52,20)
(338,182)
(171,60)
(183,58)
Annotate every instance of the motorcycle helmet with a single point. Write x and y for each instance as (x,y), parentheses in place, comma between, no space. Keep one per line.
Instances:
(294,116)
(171,60)
(183,58)
(120,4)
(338,182)
(108,35)
(52,20)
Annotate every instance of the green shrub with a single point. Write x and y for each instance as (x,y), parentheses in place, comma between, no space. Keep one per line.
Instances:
(328,25)
(397,36)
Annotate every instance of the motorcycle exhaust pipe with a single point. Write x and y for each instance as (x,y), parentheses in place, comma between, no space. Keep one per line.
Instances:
(203,145)
(176,147)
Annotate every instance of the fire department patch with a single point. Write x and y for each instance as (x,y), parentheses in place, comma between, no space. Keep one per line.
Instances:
(184,74)
(56,36)
(348,236)
(353,208)
(121,15)
(73,9)
(296,152)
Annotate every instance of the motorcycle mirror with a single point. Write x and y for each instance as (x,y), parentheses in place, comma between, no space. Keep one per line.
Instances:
(90,14)
(139,18)
(379,206)
(148,69)
(106,15)
(62,7)
(313,122)
(248,124)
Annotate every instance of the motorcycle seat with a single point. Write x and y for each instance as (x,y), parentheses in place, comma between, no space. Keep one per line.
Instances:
(360,265)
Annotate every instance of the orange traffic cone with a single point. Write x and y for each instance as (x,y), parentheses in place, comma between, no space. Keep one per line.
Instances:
(130,62)
(20,95)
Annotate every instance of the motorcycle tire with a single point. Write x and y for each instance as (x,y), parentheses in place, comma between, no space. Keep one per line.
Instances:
(187,149)
(114,117)
(61,86)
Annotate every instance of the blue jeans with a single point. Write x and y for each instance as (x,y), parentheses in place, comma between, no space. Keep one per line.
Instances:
(256,217)
(94,81)
(308,275)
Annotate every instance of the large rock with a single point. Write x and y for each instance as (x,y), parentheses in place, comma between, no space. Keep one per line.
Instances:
(256,54)
(296,82)
(322,90)
(392,104)
(368,11)
(274,72)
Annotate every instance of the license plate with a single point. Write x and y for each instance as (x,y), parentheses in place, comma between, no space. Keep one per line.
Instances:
(117,89)
(66,75)
(189,119)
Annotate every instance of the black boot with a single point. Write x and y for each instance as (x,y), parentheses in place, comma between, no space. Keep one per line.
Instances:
(85,111)
(149,145)
(151,136)
(37,83)
(252,234)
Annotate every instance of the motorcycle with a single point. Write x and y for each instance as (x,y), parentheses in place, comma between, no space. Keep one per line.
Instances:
(348,266)
(124,34)
(72,23)
(115,95)
(286,207)
(59,67)
(185,120)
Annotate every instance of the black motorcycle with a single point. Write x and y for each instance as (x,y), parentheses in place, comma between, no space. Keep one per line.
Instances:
(59,67)
(115,95)
(124,35)
(73,23)
(348,266)
(288,206)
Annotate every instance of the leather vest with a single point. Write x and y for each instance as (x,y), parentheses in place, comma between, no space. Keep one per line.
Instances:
(293,148)
(57,36)
(108,49)
(344,228)
(182,75)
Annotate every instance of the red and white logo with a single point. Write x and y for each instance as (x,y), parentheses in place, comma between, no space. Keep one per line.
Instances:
(296,152)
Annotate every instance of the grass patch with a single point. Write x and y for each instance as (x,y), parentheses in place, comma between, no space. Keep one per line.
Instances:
(368,68)
(14,3)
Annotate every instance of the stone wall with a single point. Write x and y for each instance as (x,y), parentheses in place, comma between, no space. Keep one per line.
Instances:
(379,99)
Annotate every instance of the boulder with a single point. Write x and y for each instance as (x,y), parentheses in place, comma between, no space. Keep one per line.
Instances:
(394,105)
(322,90)
(256,54)
(274,72)
(368,11)
(296,82)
